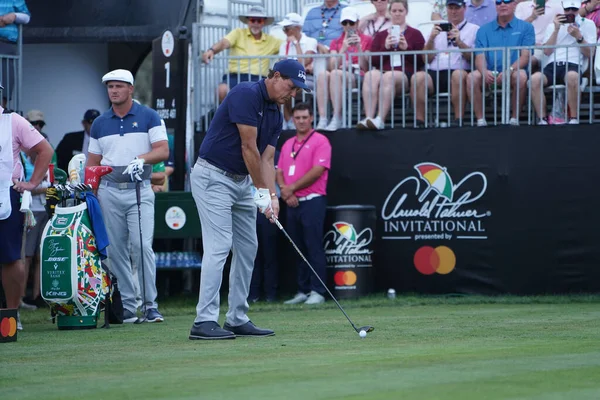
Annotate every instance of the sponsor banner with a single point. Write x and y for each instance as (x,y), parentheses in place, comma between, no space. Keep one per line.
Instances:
(469,210)
(348,242)
(8,325)
(56,268)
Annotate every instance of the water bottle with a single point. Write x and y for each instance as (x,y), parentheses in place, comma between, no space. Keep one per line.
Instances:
(391,293)
(494,85)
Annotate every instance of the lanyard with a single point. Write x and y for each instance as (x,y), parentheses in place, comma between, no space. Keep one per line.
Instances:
(327,22)
(296,153)
(452,42)
(385,20)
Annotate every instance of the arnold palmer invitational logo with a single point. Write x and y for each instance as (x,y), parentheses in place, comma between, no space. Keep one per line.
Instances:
(430,206)
(343,245)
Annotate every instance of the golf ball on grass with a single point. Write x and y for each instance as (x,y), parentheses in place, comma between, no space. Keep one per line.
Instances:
(362,334)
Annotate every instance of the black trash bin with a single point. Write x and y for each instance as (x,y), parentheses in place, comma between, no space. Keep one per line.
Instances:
(348,241)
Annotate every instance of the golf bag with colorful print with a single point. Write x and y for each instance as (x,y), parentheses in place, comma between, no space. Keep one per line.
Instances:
(72,279)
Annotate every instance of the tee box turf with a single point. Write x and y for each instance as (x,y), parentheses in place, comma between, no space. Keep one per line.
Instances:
(8,325)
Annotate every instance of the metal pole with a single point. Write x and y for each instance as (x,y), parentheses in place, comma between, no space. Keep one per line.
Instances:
(180,130)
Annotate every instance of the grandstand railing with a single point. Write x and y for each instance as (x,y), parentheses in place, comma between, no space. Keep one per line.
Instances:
(496,102)
(11,72)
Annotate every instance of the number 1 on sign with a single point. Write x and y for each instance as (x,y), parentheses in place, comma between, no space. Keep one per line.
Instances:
(168,69)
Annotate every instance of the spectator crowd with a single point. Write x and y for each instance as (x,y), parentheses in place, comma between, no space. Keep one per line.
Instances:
(466,50)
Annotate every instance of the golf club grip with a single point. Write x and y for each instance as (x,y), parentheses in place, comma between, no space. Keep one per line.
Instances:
(138,196)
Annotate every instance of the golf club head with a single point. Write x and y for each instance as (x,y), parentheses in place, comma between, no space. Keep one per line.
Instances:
(140,320)
(366,328)
(60,176)
(75,165)
(93,175)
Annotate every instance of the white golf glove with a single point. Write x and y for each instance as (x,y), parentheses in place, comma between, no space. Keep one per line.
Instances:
(262,199)
(135,169)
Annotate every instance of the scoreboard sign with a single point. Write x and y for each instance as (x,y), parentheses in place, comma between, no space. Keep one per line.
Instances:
(165,83)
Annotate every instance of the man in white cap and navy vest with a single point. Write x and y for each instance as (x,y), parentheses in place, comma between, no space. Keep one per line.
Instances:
(130,138)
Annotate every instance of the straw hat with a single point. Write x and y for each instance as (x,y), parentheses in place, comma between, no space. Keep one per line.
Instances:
(257,12)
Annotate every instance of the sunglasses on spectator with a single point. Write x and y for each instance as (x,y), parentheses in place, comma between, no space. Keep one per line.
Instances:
(574,9)
(347,22)
(379,1)
(38,123)
(256,20)
(498,2)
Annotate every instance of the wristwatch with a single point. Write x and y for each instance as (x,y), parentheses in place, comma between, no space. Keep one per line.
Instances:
(580,40)
(274,195)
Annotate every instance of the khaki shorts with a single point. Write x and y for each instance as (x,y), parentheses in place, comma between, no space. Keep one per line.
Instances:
(34,235)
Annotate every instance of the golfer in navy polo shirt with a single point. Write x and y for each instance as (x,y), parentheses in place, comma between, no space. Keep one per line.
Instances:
(234,174)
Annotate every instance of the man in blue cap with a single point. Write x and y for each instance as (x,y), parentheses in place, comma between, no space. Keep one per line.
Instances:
(76,142)
(234,174)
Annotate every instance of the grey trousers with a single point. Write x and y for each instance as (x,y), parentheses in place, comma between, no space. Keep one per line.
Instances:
(228,218)
(119,208)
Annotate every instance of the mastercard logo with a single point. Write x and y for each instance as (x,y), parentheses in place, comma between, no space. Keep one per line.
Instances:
(344,278)
(8,327)
(428,260)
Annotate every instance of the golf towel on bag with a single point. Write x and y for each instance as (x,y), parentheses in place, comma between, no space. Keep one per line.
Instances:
(98,227)
(72,279)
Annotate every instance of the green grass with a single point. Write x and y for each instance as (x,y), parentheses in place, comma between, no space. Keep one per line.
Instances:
(422,348)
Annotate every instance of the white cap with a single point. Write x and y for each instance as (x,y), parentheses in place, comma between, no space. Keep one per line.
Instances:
(291,19)
(571,4)
(122,75)
(349,14)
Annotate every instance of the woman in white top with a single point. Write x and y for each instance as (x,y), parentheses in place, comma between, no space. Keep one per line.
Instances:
(297,46)
(378,21)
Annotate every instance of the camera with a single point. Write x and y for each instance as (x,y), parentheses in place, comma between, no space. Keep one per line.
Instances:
(568,18)
(446,26)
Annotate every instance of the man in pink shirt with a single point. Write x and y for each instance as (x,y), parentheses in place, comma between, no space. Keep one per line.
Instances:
(16,134)
(302,173)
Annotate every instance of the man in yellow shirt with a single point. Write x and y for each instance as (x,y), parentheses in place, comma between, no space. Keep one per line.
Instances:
(250,41)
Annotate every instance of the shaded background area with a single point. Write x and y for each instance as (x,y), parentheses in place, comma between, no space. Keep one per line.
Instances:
(73,21)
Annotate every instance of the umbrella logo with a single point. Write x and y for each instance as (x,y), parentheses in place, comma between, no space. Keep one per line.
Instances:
(346,230)
(437,179)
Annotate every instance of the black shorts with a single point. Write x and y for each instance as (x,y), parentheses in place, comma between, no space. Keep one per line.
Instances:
(441,80)
(11,231)
(560,69)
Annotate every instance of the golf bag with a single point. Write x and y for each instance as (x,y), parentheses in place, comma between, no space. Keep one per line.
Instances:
(73,281)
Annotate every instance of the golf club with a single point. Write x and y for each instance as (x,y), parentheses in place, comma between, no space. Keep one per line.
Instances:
(138,197)
(366,328)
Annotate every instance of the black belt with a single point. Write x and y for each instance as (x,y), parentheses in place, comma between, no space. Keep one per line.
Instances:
(208,165)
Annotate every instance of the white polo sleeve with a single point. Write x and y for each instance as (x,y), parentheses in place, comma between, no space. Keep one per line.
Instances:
(157,129)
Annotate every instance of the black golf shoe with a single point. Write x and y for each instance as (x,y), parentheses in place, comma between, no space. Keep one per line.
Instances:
(209,330)
(248,329)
